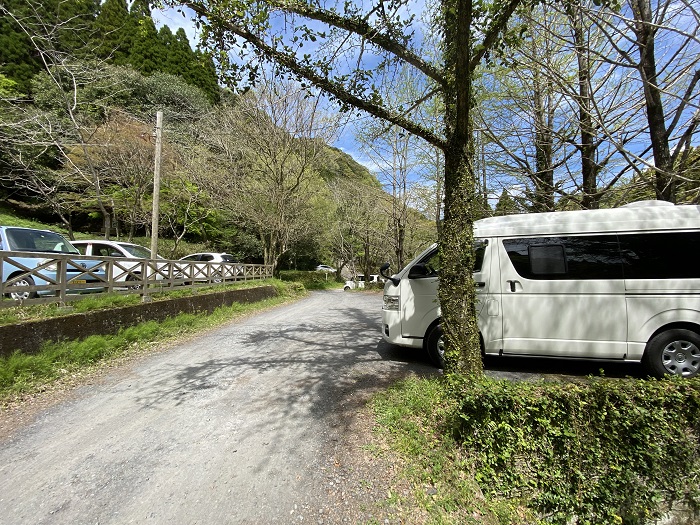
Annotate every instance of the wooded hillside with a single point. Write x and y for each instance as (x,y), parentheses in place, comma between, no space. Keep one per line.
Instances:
(251,174)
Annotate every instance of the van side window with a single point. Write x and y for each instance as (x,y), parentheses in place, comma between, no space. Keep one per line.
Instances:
(479,253)
(669,255)
(572,257)
(547,259)
(432,264)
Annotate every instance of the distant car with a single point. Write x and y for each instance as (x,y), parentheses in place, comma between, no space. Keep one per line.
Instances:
(359,281)
(210,256)
(214,267)
(41,270)
(324,268)
(127,250)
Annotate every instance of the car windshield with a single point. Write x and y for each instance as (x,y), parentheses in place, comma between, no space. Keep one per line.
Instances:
(24,240)
(137,251)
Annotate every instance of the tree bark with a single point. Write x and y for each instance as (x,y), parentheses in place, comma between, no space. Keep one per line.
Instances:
(456,289)
(665,183)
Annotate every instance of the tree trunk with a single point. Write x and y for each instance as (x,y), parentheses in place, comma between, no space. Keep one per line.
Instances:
(543,178)
(456,290)
(665,183)
(589,167)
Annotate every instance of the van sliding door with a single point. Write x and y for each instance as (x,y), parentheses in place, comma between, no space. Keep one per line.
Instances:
(563,296)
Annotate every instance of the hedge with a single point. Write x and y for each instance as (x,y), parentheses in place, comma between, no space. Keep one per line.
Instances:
(593,451)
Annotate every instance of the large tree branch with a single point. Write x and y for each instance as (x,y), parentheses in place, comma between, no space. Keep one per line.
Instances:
(356,25)
(493,33)
(333,88)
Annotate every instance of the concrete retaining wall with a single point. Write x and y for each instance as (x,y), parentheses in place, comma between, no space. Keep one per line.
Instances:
(28,337)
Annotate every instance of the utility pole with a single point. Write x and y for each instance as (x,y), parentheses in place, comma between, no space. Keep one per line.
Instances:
(156,185)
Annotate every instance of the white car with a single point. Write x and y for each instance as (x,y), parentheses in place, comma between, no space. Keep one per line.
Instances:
(325,268)
(359,281)
(209,266)
(122,271)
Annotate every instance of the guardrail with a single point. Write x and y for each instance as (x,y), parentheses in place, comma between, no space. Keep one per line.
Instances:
(33,278)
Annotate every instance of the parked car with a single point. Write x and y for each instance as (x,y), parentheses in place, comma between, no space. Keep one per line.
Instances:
(122,271)
(325,268)
(359,281)
(209,256)
(42,269)
(209,266)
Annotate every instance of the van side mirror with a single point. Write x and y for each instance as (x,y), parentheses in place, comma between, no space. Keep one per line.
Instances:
(383,272)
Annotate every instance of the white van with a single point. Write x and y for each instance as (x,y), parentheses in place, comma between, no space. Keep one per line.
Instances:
(616,284)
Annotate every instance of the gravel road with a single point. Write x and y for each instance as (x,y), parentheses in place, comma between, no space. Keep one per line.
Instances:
(255,422)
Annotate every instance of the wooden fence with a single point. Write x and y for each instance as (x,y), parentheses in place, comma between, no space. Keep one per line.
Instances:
(31,278)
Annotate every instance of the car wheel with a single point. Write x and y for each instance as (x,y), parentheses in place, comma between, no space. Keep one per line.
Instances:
(217,278)
(435,345)
(346,288)
(133,286)
(673,352)
(24,295)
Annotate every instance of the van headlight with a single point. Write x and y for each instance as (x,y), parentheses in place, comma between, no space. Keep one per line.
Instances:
(391,302)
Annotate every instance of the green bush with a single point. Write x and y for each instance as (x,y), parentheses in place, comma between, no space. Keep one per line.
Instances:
(597,451)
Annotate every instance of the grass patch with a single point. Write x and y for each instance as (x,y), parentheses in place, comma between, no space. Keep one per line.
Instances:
(411,415)
(22,374)
(591,451)
(94,302)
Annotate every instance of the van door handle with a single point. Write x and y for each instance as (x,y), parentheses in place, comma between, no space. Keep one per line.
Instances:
(480,284)
(512,285)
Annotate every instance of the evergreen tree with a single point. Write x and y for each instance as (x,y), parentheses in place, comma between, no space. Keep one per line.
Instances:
(181,58)
(114,32)
(19,61)
(506,205)
(204,76)
(196,68)
(167,44)
(76,23)
(146,53)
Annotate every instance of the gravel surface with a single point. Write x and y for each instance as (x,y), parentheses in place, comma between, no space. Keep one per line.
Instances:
(261,421)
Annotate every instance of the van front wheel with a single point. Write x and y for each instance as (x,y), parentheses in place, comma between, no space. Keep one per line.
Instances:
(674,352)
(435,345)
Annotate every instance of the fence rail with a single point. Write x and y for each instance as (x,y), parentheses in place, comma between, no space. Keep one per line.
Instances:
(32,278)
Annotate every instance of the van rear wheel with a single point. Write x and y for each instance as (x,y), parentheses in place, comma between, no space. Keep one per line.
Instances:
(435,345)
(674,352)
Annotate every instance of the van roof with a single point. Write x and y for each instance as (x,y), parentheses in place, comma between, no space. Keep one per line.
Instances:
(639,216)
